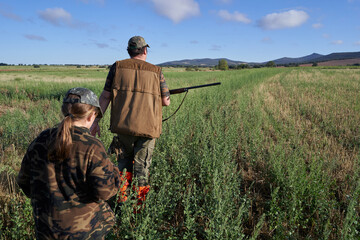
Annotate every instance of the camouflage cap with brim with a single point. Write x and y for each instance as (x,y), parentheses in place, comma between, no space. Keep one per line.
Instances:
(137,42)
(86,96)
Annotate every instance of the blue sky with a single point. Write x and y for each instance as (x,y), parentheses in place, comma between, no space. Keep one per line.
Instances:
(97,31)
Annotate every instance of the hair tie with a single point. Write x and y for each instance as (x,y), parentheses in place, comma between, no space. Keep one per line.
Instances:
(69,115)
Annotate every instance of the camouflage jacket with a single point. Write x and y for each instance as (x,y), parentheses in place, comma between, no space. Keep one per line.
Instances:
(68,198)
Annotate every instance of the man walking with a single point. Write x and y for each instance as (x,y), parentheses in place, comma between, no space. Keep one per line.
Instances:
(137,91)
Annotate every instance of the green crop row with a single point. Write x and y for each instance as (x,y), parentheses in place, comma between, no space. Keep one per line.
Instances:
(268,154)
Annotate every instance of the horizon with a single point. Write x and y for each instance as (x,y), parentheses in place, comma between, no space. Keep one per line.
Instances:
(178,60)
(95,32)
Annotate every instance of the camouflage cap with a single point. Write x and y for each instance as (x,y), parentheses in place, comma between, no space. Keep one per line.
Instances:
(86,96)
(137,42)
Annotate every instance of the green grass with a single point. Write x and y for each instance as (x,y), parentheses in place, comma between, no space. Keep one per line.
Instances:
(268,154)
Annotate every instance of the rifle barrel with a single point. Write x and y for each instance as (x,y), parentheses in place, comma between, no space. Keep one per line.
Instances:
(181,90)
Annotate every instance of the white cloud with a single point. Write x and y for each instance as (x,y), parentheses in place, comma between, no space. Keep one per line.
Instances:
(289,19)
(357,43)
(337,42)
(317,25)
(56,16)
(60,17)
(177,10)
(34,37)
(236,16)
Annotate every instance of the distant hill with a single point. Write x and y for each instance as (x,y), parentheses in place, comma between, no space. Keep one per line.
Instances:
(306,59)
(203,62)
(315,57)
(338,56)
(318,58)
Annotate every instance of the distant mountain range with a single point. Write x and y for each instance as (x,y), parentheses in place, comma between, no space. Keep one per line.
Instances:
(315,57)
(202,62)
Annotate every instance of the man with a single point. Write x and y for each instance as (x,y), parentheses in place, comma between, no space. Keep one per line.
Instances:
(137,91)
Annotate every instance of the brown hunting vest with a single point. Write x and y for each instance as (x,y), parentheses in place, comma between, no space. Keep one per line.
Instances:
(136,106)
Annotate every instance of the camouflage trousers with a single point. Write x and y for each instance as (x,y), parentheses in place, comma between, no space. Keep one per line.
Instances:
(134,154)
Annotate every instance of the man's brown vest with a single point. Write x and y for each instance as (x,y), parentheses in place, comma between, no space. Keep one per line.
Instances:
(136,106)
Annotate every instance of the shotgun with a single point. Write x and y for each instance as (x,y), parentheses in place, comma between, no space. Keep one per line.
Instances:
(181,90)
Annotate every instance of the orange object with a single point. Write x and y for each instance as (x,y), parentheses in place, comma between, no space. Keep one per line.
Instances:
(142,191)
(126,183)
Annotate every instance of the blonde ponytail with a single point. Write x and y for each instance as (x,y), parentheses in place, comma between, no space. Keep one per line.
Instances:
(63,138)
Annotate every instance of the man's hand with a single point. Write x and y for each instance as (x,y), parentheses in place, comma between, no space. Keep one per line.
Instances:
(95,128)
(165,101)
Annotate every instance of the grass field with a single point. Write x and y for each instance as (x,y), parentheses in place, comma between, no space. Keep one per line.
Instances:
(271,153)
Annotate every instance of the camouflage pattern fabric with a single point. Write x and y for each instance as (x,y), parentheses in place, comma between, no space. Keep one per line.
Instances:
(134,154)
(68,198)
(137,42)
(86,96)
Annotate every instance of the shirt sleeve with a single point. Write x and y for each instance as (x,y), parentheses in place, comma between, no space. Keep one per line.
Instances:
(23,179)
(104,176)
(163,86)
(110,78)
